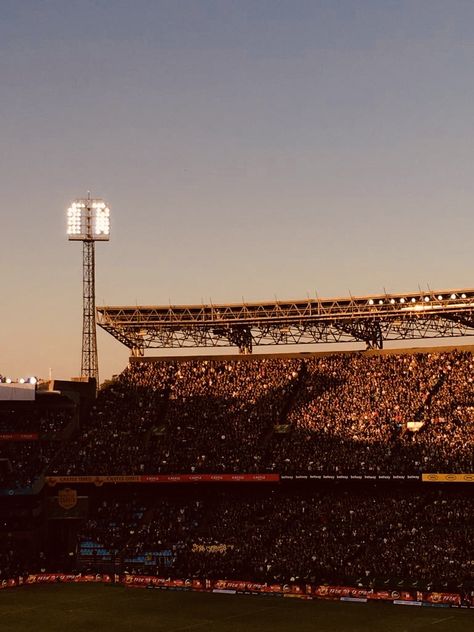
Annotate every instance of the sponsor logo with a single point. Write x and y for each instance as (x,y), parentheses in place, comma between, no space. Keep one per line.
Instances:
(67,498)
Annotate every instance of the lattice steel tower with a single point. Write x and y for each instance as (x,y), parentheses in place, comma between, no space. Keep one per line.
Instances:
(88,220)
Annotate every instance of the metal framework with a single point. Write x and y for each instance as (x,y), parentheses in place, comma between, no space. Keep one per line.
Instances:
(89,357)
(370,319)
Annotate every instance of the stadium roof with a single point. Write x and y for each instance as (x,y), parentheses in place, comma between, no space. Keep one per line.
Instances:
(369,319)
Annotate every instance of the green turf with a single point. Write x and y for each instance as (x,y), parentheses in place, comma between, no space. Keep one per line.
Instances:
(81,608)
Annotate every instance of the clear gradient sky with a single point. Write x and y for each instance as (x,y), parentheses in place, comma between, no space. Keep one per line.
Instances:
(247,148)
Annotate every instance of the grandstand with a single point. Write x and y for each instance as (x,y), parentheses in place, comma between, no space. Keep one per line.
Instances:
(377,414)
(300,470)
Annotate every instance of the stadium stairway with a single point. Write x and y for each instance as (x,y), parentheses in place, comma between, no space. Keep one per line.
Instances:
(134,538)
(159,426)
(280,428)
(423,412)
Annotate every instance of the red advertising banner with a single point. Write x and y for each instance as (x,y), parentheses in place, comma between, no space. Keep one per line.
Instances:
(53,578)
(224,584)
(165,478)
(307,591)
(339,592)
(209,478)
(10,583)
(19,436)
(149,580)
(390,595)
(336,592)
(452,599)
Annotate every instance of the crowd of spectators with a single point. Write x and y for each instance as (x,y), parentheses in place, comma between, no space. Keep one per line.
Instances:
(19,553)
(19,559)
(353,414)
(348,413)
(23,462)
(220,413)
(112,522)
(24,418)
(29,439)
(11,563)
(342,535)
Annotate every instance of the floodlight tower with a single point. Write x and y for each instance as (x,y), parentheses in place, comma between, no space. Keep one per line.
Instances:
(88,220)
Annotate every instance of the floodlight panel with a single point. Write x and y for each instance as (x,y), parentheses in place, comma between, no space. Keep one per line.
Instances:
(101,223)
(74,220)
(88,220)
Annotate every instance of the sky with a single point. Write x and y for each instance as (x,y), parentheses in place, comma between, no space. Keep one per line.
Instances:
(247,149)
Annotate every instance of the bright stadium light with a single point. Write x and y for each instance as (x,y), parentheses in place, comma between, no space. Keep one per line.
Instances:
(88,220)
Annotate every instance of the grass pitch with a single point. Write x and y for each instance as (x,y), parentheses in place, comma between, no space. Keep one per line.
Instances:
(81,608)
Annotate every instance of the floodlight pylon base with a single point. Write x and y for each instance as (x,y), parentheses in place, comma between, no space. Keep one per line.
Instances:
(90,361)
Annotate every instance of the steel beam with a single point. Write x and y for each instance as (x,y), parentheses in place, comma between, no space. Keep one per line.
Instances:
(372,320)
(89,361)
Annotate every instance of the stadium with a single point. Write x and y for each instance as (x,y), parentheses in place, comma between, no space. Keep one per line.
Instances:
(332,476)
(238,464)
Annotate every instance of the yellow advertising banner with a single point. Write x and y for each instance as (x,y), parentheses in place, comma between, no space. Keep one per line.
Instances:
(447,478)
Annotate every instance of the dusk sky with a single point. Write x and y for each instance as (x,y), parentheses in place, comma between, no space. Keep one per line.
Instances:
(247,149)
